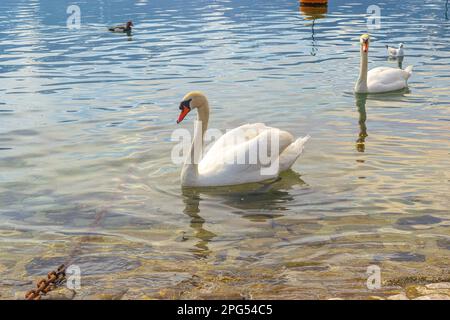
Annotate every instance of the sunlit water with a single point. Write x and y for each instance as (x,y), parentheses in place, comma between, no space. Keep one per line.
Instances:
(86,118)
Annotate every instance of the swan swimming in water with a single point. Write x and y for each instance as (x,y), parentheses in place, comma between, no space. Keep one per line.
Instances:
(381,79)
(218,166)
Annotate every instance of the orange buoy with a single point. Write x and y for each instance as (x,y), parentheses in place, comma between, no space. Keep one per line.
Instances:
(313,11)
(314,2)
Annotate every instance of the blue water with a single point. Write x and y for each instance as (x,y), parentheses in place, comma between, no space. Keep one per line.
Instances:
(86,118)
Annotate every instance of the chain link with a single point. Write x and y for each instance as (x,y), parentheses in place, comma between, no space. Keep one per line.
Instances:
(45,285)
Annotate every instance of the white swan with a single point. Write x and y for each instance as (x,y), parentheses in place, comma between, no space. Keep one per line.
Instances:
(394,52)
(232,158)
(381,79)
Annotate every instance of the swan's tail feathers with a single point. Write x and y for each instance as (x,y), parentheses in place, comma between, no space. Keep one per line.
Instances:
(292,152)
(409,70)
(301,141)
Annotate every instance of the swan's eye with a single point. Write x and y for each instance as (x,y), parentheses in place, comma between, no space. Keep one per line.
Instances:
(185,104)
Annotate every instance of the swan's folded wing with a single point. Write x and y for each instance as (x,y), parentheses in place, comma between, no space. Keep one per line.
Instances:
(378,71)
(387,74)
(243,162)
(384,79)
(232,138)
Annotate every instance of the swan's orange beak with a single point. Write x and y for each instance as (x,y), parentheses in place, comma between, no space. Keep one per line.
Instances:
(366,46)
(184,111)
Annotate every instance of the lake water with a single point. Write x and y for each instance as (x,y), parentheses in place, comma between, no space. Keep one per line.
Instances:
(86,118)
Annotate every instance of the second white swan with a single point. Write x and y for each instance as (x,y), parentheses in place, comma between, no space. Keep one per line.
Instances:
(381,79)
(221,166)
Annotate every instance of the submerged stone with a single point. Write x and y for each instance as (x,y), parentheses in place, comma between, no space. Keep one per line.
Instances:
(444,243)
(411,223)
(438,286)
(61,293)
(407,256)
(400,296)
(400,256)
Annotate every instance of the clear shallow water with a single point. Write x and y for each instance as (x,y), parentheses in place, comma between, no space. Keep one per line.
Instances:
(85,171)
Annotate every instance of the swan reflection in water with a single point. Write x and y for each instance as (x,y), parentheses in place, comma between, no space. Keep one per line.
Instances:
(255,201)
(361,99)
(191,199)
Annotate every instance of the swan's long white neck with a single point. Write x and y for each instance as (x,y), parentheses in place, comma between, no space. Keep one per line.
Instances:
(361,84)
(189,172)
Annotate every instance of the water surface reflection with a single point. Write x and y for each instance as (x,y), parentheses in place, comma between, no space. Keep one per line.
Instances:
(255,202)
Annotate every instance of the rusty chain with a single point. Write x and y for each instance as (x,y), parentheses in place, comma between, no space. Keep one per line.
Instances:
(56,277)
(45,285)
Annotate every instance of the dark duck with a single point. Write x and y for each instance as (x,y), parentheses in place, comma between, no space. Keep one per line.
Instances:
(122,28)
